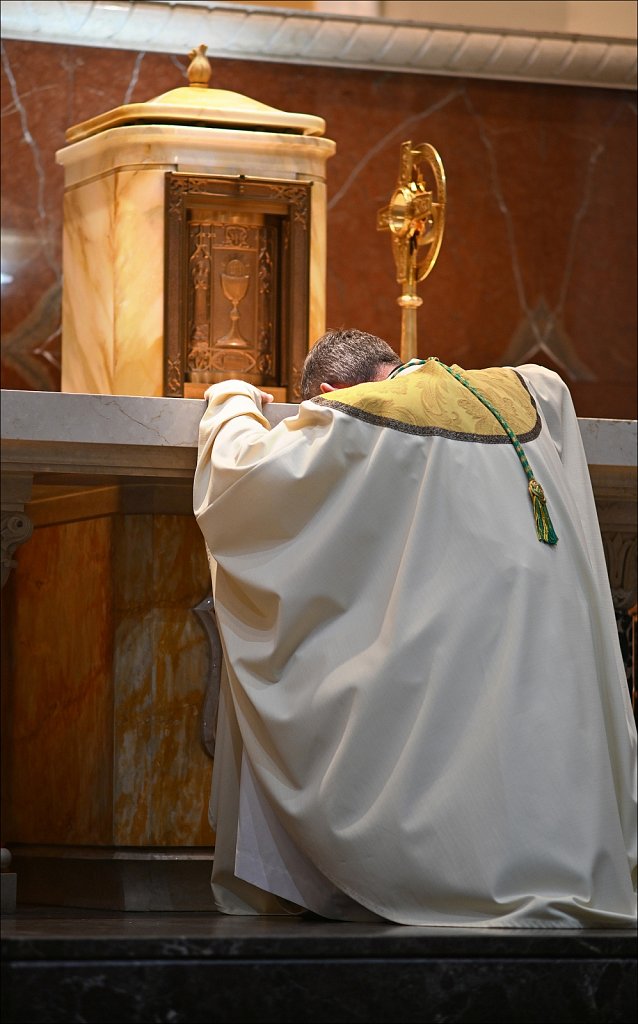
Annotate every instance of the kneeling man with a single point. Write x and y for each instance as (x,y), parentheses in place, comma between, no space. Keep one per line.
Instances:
(424,716)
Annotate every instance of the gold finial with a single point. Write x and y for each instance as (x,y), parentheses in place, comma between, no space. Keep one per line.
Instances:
(199,69)
(415,218)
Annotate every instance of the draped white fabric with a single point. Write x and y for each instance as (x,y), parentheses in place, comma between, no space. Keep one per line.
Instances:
(425,713)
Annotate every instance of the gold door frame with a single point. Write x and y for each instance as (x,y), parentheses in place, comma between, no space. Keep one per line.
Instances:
(286,205)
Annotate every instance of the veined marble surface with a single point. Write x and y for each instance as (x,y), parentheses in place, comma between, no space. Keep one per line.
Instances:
(539,178)
(609,442)
(107,420)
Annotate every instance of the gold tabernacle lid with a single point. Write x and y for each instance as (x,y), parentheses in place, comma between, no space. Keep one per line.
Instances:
(198,105)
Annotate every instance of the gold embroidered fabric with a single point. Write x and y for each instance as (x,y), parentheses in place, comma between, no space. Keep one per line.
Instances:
(429,401)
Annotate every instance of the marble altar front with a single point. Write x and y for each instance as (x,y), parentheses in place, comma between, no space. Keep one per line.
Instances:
(106,663)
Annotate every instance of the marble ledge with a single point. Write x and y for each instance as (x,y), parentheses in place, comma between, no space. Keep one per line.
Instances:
(249,32)
(59,934)
(48,433)
(190,148)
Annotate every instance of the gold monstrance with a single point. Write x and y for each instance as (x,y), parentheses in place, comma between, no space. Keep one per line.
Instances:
(416,218)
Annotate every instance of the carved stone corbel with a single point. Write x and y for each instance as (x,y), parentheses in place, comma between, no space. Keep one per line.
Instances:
(620,552)
(16,525)
(16,528)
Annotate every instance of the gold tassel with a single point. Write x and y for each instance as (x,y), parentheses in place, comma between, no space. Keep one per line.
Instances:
(544,527)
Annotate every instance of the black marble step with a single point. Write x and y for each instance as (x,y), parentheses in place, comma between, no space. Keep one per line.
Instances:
(76,965)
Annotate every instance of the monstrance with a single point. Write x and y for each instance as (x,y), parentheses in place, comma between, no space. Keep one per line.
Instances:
(415,217)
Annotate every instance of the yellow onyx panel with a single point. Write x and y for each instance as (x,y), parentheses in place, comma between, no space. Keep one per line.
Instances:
(103,706)
(138,277)
(159,560)
(88,347)
(162,773)
(180,567)
(133,564)
(160,669)
(318,250)
(59,732)
(113,313)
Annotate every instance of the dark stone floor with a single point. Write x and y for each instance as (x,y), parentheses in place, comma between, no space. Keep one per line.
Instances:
(78,965)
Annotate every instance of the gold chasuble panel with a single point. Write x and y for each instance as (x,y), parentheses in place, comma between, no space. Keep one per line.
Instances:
(237,282)
(427,400)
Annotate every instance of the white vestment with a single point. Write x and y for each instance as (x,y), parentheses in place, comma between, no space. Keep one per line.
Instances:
(424,714)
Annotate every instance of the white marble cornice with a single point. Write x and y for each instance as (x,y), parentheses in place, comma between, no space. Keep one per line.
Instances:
(305,37)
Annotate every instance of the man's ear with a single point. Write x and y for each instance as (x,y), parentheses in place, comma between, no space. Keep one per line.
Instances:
(325,388)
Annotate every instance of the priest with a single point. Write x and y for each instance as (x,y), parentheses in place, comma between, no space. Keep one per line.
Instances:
(423,714)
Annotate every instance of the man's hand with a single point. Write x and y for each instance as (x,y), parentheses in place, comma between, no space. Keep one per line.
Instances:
(265,397)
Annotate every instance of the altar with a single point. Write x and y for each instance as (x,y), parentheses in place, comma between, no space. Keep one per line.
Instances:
(105,771)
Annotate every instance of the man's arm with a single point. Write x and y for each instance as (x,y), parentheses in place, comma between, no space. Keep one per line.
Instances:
(235,425)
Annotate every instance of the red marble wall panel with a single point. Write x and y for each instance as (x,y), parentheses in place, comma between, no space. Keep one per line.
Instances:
(539,257)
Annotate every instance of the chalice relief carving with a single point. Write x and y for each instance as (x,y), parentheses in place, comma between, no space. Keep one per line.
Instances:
(235,280)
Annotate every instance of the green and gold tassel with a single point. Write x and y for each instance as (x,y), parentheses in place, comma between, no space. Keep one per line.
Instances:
(544,528)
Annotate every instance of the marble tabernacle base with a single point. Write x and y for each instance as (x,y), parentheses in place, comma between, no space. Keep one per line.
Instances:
(64,965)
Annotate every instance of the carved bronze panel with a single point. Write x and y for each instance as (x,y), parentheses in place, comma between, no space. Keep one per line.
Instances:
(236,282)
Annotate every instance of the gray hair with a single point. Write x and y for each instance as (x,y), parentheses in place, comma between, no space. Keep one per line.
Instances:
(344,358)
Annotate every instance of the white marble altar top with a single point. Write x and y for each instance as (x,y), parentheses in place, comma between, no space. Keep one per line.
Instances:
(44,421)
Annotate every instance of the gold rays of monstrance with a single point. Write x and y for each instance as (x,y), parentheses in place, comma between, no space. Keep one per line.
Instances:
(415,218)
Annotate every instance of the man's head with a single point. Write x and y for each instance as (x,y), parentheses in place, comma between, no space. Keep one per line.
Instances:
(343,358)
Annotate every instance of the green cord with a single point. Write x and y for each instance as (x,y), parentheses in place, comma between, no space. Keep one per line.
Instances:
(544,527)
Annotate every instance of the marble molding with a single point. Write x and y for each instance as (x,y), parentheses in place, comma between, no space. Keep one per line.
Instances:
(113,249)
(311,37)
